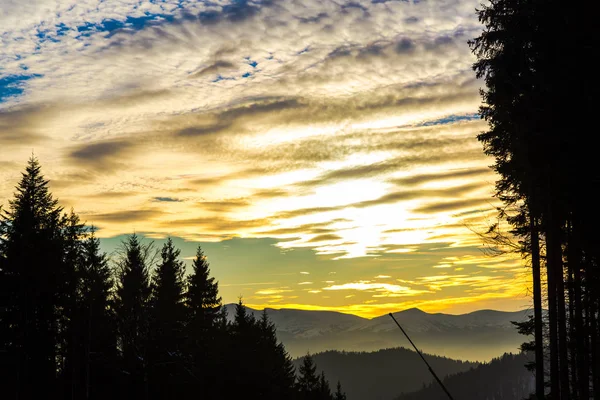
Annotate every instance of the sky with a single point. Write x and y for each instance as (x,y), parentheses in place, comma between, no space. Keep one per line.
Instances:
(322,153)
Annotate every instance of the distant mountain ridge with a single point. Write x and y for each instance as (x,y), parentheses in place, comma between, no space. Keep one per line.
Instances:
(476,336)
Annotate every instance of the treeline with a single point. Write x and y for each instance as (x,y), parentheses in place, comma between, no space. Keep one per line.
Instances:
(503,378)
(74,325)
(535,59)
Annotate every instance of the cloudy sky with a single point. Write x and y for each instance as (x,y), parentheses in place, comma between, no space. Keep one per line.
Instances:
(322,152)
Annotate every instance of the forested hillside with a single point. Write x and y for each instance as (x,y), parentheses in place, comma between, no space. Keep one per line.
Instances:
(504,378)
(382,374)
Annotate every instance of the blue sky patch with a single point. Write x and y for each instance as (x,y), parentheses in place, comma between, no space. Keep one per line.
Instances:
(13,85)
(167,199)
(220,78)
(450,119)
(135,23)
(251,62)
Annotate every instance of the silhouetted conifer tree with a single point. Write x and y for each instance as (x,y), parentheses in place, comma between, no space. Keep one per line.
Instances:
(167,315)
(276,368)
(324,389)
(308,381)
(205,332)
(132,311)
(100,368)
(32,251)
(547,171)
(339,395)
(70,329)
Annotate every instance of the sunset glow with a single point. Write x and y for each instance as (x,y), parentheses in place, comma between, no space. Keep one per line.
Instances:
(323,153)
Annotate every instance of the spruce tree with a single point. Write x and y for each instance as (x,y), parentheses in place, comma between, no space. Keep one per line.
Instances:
(132,306)
(276,367)
(205,328)
(324,390)
(71,328)
(202,296)
(98,324)
(166,324)
(339,395)
(308,381)
(243,355)
(32,264)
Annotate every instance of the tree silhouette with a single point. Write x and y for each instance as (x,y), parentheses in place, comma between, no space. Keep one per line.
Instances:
(32,263)
(205,329)
(324,389)
(339,395)
(547,174)
(98,323)
(167,318)
(132,311)
(275,364)
(308,381)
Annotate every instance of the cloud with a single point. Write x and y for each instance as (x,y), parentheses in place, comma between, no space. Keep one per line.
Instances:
(454,205)
(380,289)
(394,197)
(104,155)
(324,238)
(167,199)
(216,67)
(224,206)
(440,176)
(123,217)
(22,125)
(253,110)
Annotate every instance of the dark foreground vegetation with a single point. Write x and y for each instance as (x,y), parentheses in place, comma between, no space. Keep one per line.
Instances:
(74,326)
(503,378)
(536,60)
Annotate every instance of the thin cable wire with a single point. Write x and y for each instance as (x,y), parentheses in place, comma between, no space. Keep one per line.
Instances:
(424,360)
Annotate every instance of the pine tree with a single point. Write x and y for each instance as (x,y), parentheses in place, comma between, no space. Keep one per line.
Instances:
(31,248)
(98,326)
(308,382)
(131,306)
(166,324)
(205,328)
(324,390)
(339,395)
(548,168)
(276,367)
(243,355)
(202,296)
(70,324)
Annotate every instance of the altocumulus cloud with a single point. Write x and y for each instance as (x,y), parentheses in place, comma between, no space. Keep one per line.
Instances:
(346,129)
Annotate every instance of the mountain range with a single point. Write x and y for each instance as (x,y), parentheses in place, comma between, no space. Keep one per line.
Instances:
(477,336)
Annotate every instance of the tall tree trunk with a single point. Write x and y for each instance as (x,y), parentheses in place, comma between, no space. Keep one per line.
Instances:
(581,334)
(552,313)
(563,350)
(537,306)
(594,349)
(574,357)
